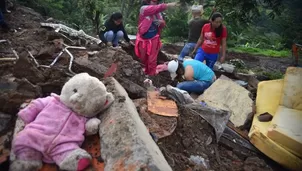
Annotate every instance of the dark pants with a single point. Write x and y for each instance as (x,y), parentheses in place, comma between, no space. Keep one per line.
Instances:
(3,5)
(195,86)
(1,18)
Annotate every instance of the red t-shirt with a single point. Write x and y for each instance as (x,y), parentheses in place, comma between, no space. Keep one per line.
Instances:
(211,44)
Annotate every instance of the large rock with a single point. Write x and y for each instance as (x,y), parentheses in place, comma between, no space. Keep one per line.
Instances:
(227,95)
(129,72)
(125,141)
(13,92)
(24,68)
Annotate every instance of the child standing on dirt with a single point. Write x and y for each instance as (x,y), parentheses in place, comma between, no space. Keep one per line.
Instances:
(150,24)
(113,30)
(198,76)
(195,26)
(213,35)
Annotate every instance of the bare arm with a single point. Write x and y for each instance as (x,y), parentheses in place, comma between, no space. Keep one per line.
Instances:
(199,42)
(223,50)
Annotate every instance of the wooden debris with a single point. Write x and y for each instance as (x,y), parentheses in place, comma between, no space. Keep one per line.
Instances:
(160,106)
(72,32)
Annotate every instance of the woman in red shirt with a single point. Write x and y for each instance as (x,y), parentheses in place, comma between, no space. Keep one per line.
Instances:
(212,36)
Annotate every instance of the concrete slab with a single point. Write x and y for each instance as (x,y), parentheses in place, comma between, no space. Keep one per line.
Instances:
(227,95)
(125,141)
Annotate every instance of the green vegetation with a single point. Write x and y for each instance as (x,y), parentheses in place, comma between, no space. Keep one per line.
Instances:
(261,52)
(273,75)
(262,27)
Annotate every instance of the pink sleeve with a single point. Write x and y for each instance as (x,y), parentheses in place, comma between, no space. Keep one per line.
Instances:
(149,10)
(143,26)
(29,113)
(224,32)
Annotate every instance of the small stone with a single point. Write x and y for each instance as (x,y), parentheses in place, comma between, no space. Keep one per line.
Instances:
(186,142)
(4,121)
(209,140)
(127,71)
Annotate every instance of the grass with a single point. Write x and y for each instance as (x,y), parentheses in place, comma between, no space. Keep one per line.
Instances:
(273,75)
(262,52)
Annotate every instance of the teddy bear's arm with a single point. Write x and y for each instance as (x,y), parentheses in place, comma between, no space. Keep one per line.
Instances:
(92,126)
(29,113)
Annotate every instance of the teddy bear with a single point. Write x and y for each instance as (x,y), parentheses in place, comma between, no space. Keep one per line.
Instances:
(55,125)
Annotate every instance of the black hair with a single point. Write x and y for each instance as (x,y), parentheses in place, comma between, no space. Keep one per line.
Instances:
(116,16)
(180,67)
(218,31)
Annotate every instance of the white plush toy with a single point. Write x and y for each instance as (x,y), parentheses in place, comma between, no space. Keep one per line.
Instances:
(55,126)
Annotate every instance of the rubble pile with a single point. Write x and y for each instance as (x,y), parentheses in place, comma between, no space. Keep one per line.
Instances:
(46,59)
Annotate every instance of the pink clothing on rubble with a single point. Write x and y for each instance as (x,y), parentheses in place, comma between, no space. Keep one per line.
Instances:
(148,49)
(162,67)
(51,128)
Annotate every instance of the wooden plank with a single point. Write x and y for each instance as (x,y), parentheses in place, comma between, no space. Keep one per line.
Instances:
(160,106)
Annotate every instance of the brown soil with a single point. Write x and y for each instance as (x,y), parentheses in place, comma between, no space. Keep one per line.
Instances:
(191,134)
(268,64)
(194,136)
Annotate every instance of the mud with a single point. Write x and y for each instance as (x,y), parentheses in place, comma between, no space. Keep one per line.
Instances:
(259,63)
(23,80)
(193,136)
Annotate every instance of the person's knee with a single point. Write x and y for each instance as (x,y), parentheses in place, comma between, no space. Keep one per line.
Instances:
(109,35)
(181,85)
(120,34)
(199,55)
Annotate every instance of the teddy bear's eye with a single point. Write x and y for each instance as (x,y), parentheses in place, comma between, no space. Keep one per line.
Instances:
(75,90)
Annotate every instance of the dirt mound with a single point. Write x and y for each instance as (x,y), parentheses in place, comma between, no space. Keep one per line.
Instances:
(194,137)
(23,80)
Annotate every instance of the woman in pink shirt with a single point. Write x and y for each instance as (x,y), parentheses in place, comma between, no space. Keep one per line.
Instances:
(213,35)
(150,24)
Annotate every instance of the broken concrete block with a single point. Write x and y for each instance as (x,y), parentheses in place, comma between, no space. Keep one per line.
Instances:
(5,140)
(129,72)
(4,121)
(13,92)
(24,68)
(229,68)
(125,141)
(228,95)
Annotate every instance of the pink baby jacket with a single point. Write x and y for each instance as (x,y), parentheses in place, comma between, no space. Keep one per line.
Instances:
(51,128)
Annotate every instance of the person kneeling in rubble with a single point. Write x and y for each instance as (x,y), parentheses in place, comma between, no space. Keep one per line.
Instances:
(113,30)
(198,76)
